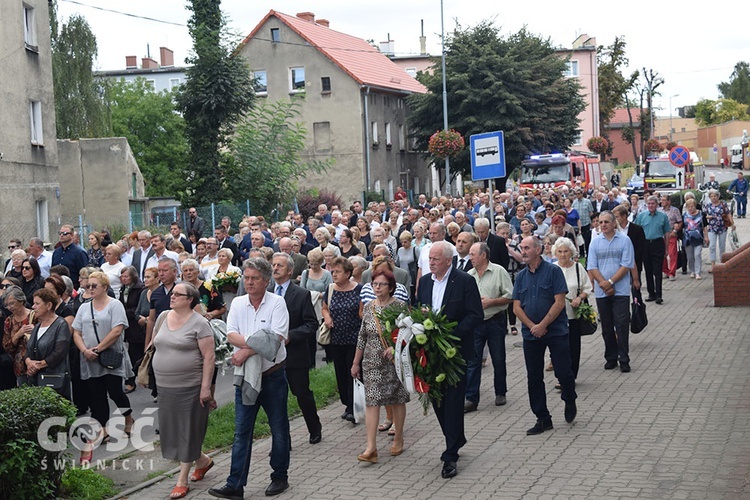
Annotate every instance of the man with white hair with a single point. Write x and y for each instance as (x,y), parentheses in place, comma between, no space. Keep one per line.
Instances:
(42,256)
(436,233)
(337,224)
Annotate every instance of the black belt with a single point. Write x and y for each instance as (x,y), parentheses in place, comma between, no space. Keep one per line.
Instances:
(656,239)
(274,368)
(496,317)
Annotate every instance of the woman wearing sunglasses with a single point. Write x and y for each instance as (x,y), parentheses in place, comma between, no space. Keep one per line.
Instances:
(32,279)
(99,325)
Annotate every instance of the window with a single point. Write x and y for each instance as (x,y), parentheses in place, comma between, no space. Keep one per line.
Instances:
(572,69)
(325,84)
(29,28)
(375,141)
(390,189)
(261,82)
(134,186)
(401,138)
(579,139)
(388,141)
(174,82)
(297,79)
(151,84)
(42,220)
(412,72)
(35,112)
(275,35)
(322,136)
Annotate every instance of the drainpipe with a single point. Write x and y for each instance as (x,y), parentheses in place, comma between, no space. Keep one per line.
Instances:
(367,139)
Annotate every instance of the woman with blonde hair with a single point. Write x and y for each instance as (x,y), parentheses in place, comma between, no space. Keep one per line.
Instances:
(113,267)
(356,240)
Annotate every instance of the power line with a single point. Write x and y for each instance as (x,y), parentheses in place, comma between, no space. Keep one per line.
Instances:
(125,13)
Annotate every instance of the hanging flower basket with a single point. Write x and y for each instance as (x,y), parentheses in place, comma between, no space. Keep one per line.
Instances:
(653,145)
(598,145)
(446,144)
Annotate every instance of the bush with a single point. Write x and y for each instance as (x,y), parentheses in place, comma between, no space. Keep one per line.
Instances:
(22,411)
(308,201)
(85,484)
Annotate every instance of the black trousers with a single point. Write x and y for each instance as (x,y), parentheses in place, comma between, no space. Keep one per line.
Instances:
(615,314)
(586,233)
(99,388)
(450,415)
(299,384)
(653,261)
(80,392)
(574,341)
(343,358)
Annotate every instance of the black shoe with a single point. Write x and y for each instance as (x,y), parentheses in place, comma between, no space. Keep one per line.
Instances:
(315,438)
(610,365)
(450,469)
(469,406)
(343,415)
(539,427)
(350,418)
(650,299)
(659,301)
(625,367)
(570,411)
(500,401)
(277,486)
(226,492)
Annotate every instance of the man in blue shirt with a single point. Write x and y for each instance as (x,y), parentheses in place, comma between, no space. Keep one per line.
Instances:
(69,254)
(656,227)
(539,302)
(611,263)
(739,186)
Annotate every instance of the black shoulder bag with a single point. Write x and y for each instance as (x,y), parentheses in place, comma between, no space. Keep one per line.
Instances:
(586,327)
(55,381)
(108,358)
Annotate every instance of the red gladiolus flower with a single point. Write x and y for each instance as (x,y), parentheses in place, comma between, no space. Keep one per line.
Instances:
(394,335)
(422,358)
(421,386)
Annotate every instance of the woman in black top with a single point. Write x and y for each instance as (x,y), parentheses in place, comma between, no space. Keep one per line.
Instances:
(47,348)
(135,334)
(31,278)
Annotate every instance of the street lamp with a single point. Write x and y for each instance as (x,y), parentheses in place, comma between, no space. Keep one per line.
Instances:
(670,115)
(445,101)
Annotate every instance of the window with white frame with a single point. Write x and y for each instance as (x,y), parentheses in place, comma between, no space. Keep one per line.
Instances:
(35,112)
(174,82)
(374,131)
(401,137)
(297,79)
(29,28)
(261,82)
(579,139)
(151,83)
(388,141)
(572,68)
(42,220)
(275,35)
(412,72)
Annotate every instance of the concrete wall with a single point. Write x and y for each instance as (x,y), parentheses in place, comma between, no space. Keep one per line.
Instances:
(28,173)
(96,182)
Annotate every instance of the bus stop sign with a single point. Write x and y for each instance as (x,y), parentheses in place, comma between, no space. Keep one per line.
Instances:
(487,156)
(679,156)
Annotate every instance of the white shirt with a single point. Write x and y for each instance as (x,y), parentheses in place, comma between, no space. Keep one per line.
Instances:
(424,258)
(272,315)
(45,262)
(113,273)
(438,289)
(154,260)
(144,259)
(209,266)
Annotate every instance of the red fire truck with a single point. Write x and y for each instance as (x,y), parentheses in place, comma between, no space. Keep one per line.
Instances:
(553,170)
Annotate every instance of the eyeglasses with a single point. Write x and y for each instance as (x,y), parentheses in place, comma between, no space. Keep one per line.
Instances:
(26,268)
(4,286)
(12,247)
(92,286)
(178,294)
(378,284)
(64,233)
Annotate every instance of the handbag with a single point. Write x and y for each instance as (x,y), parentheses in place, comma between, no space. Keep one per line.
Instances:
(586,327)
(143,378)
(638,318)
(108,358)
(55,381)
(324,333)
(726,216)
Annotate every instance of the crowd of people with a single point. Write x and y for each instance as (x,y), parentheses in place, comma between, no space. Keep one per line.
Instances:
(489,260)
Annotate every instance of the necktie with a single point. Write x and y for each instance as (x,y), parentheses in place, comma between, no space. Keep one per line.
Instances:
(461,264)
(279,290)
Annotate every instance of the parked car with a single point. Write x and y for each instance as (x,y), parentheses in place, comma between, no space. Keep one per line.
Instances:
(635,185)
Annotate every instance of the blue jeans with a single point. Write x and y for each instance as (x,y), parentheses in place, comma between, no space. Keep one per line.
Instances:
(272,398)
(533,353)
(491,332)
(741,204)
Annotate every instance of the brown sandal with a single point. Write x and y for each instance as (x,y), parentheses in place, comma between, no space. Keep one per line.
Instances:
(385,425)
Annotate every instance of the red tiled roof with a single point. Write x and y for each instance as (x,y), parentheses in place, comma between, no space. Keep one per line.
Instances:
(360,60)
(621,116)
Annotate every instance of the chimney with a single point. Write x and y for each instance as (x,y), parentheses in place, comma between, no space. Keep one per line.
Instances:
(388,48)
(423,41)
(323,22)
(131,62)
(307,16)
(148,63)
(167,57)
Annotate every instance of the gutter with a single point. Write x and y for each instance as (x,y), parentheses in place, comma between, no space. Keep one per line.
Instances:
(367,138)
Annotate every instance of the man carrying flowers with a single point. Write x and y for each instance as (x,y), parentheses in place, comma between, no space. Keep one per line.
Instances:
(457,294)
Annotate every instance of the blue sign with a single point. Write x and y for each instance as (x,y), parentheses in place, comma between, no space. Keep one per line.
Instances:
(679,156)
(487,156)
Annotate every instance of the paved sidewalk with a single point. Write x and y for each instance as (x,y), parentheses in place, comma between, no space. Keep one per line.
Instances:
(677,426)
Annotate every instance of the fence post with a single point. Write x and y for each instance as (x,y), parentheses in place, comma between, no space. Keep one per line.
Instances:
(247,202)
(80,225)
(174,214)
(213,217)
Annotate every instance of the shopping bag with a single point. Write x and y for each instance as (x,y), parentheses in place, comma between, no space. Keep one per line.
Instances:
(359,401)
(638,318)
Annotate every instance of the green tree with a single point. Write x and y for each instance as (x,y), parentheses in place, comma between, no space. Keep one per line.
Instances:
(218,91)
(709,112)
(514,84)
(155,132)
(613,86)
(79,107)
(738,86)
(267,151)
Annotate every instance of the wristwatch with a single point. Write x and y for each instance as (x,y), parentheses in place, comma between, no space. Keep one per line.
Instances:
(611,282)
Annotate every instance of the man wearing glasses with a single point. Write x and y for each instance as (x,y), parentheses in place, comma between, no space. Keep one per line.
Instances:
(13,245)
(194,223)
(69,255)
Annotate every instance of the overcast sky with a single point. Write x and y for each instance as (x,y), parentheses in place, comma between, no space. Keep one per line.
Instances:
(692,46)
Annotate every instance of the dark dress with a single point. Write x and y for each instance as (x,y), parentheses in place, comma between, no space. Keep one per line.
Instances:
(382,386)
(52,347)
(344,310)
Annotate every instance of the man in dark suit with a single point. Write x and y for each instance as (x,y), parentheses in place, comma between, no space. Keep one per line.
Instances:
(194,223)
(143,253)
(635,233)
(303,323)
(222,237)
(300,262)
(457,293)
(464,240)
(498,248)
(610,203)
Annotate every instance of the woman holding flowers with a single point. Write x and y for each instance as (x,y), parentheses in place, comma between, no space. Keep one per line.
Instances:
(227,276)
(382,386)
(579,288)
